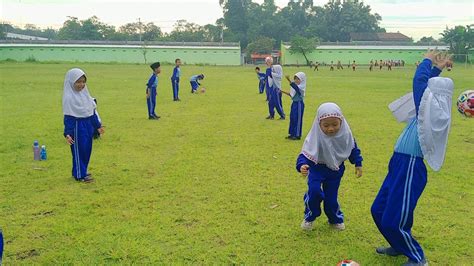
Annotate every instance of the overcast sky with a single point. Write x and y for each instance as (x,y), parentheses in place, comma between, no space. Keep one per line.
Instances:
(415,18)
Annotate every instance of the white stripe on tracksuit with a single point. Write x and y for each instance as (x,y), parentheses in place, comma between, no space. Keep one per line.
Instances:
(406,209)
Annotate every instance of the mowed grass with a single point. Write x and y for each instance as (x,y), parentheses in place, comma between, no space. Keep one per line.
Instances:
(211,182)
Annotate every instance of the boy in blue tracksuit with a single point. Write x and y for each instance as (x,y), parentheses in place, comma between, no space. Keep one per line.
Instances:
(80,122)
(151,87)
(261,80)
(194,81)
(175,79)
(297,93)
(424,137)
(328,144)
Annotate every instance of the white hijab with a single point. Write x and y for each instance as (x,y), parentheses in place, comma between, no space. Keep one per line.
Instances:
(434,120)
(321,148)
(277,74)
(76,103)
(302,85)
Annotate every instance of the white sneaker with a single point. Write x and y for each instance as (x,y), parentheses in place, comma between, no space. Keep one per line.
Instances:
(305,225)
(339,227)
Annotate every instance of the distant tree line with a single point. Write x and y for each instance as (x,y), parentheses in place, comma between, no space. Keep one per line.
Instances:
(258,27)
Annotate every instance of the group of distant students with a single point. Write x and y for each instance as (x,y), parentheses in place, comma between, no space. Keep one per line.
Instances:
(152,84)
(328,144)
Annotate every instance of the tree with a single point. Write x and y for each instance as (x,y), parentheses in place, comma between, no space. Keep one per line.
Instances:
(428,40)
(186,32)
(262,45)
(303,45)
(236,18)
(70,30)
(460,39)
(336,20)
(152,32)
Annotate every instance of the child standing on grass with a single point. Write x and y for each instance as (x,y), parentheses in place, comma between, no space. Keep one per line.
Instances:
(151,88)
(195,82)
(80,122)
(328,144)
(275,95)
(261,80)
(297,93)
(425,136)
(175,79)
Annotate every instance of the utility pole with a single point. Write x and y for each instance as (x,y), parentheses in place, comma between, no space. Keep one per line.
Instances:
(140,29)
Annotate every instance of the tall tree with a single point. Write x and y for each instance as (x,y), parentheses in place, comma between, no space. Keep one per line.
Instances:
(71,29)
(236,18)
(304,46)
(262,45)
(337,19)
(460,40)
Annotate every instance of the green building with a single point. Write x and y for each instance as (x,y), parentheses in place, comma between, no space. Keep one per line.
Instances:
(198,53)
(362,54)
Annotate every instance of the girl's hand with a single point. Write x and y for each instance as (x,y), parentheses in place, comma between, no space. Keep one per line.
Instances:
(304,170)
(358,171)
(69,140)
(442,60)
(432,54)
(101,130)
(288,78)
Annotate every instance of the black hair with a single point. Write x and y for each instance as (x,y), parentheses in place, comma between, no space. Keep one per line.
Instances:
(257,68)
(201,76)
(176,60)
(155,65)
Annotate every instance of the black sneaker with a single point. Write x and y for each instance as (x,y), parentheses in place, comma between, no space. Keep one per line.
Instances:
(281,118)
(389,251)
(156,116)
(151,118)
(269,117)
(85,179)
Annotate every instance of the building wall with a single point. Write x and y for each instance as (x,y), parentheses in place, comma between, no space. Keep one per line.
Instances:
(122,54)
(362,55)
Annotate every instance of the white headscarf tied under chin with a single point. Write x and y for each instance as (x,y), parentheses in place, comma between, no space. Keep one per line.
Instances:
(434,120)
(76,103)
(329,150)
(302,86)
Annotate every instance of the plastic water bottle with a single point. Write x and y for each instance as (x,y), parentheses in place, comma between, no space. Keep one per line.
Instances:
(36,151)
(43,154)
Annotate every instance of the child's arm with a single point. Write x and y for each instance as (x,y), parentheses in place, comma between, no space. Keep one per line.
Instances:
(356,159)
(423,73)
(69,123)
(303,164)
(296,88)
(285,92)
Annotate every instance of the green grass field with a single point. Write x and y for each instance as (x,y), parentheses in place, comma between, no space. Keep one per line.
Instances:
(211,182)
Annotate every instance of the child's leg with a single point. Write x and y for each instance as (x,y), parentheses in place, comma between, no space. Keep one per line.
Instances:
(82,148)
(314,196)
(271,104)
(173,84)
(177,89)
(293,119)
(277,103)
(299,121)
(397,220)
(380,202)
(149,105)
(331,205)
(153,101)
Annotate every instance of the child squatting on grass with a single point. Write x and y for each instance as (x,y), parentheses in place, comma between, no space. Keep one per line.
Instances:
(80,122)
(427,111)
(328,144)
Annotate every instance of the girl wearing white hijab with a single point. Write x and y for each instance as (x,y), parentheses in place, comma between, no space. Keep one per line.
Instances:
(80,122)
(297,93)
(428,113)
(328,144)
(274,76)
